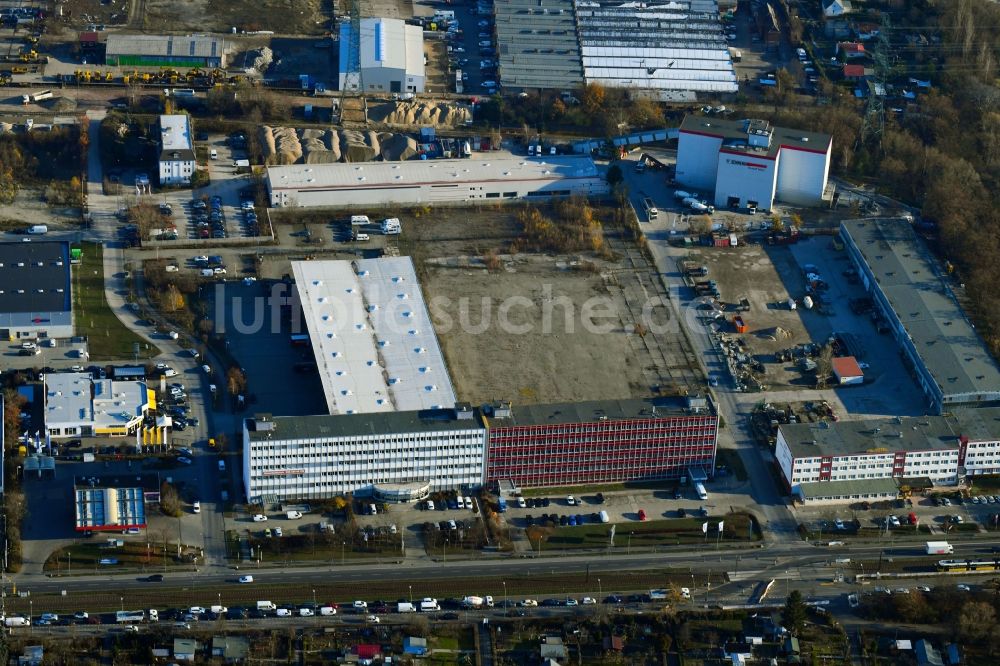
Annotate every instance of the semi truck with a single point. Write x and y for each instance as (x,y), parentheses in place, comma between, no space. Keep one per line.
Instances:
(130,616)
(34,98)
(939,548)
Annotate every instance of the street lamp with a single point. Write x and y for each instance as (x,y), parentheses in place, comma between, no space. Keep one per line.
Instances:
(314,598)
(411,593)
(69,556)
(600,590)
(628,545)
(342,544)
(504,598)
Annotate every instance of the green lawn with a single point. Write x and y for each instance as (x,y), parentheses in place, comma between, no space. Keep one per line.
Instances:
(86,555)
(983,483)
(650,533)
(108,338)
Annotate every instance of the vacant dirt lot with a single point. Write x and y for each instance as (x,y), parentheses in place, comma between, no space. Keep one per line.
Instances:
(542,327)
(302,17)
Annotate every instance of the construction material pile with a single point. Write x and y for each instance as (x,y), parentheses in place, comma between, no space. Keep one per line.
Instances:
(358,146)
(280,145)
(319,146)
(437,114)
(260,59)
(397,147)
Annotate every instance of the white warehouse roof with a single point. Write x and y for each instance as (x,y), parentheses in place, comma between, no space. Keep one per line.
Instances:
(374,343)
(392,43)
(420,172)
(175,132)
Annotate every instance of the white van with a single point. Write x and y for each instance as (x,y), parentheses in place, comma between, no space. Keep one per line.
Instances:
(214,154)
(327,610)
(358,220)
(604,517)
(266,606)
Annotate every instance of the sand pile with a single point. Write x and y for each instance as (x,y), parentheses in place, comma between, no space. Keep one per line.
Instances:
(280,145)
(62,105)
(358,146)
(319,146)
(439,114)
(397,147)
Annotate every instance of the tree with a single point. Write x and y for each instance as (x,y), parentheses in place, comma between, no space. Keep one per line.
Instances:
(793,616)
(614,175)
(170,501)
(236,381)
(592,98)
(975,621)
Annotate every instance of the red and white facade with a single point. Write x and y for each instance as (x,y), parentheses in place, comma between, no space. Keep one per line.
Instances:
(749,163)
(944,449)
(585,443)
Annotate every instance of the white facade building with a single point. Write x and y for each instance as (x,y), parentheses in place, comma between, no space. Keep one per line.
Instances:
(77,405)
(390,57)
(317,457)
(375,345)
(177,161)
(749,163)
(445,181)
(944,449)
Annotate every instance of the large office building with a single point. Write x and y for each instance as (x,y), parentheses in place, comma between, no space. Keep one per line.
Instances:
(949,359)
(177,160)
(77,405)
(374,343)
(205,51)
(611,441)
(399,455)
(387,56)
(750,163)
(438,182)
(823,461)
(36,298)
(664,49)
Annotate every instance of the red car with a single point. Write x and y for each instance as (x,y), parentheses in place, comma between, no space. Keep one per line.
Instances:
(642,514)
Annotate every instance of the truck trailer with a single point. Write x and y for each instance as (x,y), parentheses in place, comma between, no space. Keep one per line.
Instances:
(939,548)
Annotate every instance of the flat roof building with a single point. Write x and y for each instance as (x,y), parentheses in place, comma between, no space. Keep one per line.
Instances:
(177,160)
(608,441)
(36,299)
(750,163)
(660,48)
(124,50)
(945,449)
(951,362)
(389,59)
(77,405)
(375,345)
(445,181)
(316,457)
(107,505)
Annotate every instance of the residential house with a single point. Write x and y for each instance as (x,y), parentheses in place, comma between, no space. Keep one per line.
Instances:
(415,646)
(232,649)
(185,649)
(835,8)
(855,72)
(851,50)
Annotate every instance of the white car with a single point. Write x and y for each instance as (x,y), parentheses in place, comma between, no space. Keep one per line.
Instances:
(923,588)
(196,610)
(588,601)
(284,612)
(196,507)
(374,619)
(259,518)
(962,587)
(207,369)
(306,612)
(219,270)
(246,579)
(174,335)
(360,605)
(685,593)
(570,500)
(529,603)
(169,372)
(853,601)
(521,503)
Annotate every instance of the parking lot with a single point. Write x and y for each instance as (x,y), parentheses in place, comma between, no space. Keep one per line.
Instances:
(473,50)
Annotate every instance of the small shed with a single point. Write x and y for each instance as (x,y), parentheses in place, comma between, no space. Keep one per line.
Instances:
(614,643)
(232,649)
(415,646)
(740,324)
(552,648)
(367,651)
(185,649)
(847,371)
(927,654)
